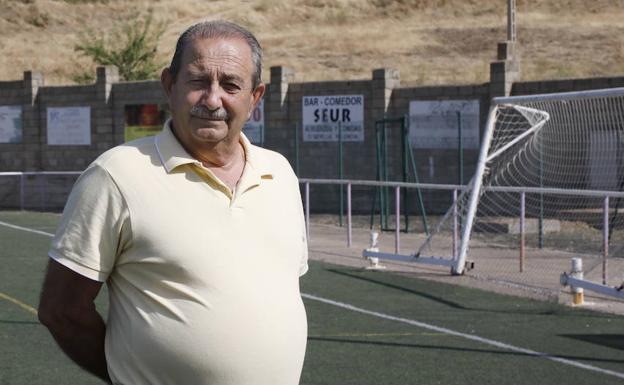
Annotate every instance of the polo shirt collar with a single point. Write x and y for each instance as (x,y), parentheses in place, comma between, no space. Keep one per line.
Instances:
(256,166)
(170,151)
(173,155)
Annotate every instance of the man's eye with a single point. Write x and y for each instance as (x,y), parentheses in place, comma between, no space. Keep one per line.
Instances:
(231,87)
(196,82)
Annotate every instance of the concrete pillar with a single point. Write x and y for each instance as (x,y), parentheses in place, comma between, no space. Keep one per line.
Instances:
(31,122)
(385,80)
(277,132)
(32,82)
(505,70)
(278,90)
(104,79)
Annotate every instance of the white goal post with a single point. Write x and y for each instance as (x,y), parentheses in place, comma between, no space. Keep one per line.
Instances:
(547,187)
(565,141)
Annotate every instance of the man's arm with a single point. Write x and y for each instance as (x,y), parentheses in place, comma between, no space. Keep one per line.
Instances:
(67,309)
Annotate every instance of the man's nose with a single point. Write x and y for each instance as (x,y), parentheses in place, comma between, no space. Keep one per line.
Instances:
(212,97)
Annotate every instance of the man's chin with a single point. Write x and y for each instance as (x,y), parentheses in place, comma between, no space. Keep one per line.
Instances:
(210,133)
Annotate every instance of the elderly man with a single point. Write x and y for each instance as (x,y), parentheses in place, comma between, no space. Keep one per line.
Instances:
(197,233)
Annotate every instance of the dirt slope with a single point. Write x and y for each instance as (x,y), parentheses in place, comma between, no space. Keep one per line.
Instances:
(430,42)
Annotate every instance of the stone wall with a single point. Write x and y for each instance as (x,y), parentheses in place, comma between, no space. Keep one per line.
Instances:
(384,98)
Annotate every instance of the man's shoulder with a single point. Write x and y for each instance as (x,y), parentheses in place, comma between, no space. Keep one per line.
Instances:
(271,160)
(130,154)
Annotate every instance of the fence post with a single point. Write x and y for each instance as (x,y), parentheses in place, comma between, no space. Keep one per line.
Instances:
(307,209)
(460,150)
(397,218)
(349,232)
(605,239)
(455,223)
(22,186)
(340,172)
(521,230)
(297,149)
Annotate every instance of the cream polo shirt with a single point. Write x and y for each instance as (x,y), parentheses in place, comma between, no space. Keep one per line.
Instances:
(203,284)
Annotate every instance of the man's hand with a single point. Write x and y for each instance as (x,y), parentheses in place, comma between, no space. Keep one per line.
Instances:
(66,308)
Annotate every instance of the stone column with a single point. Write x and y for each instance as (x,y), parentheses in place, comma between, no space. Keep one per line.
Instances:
(505,70)
(385,80)
(276,110)
(31,121)
(104,79)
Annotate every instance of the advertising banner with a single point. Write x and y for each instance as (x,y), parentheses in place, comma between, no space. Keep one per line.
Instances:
(143,120)
(69,126)
(325,116)
(435,123)
(10,124)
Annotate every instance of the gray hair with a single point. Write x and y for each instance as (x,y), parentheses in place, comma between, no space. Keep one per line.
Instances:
(213,30)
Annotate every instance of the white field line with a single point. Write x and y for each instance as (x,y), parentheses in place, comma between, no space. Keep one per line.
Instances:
(423,325)
(26,229)
(482,340)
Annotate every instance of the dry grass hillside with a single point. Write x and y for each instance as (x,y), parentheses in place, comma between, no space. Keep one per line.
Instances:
(430,42)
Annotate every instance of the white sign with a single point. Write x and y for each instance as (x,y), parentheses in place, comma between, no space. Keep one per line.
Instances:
(434,123)
(10,124)
(325,116)
(69,126)
(254,128)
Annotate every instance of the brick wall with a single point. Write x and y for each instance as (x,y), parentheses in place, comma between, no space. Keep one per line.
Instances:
(384,97)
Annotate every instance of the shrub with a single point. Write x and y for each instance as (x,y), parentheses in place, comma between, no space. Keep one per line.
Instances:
(131,47)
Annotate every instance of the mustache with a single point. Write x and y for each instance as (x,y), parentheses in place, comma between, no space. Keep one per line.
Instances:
(203,112)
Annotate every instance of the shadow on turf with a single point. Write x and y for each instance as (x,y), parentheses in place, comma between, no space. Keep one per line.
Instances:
(357,274)
(615,341)
(452,348)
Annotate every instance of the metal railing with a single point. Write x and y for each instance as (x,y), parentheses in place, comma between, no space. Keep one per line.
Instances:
(522,191)
(22,175)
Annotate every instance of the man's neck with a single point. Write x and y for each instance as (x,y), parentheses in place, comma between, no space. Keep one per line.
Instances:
(226,159)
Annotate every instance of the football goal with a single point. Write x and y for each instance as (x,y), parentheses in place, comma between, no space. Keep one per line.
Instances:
(547,187)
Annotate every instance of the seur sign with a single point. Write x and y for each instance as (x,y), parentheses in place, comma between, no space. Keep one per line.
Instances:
(325,116)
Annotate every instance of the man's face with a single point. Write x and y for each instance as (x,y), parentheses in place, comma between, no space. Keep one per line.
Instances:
(212,96)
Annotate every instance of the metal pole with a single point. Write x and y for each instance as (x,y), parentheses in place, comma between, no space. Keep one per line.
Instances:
(511,20)
(22,183)
(349,223)
(476,184)
(307,209)
(340,172)
(455,225)
(521,230)
(397,218)
(421,204)
(605,239)
(385,197)
(405,145)
(297,148)
(460,150)
(540,222)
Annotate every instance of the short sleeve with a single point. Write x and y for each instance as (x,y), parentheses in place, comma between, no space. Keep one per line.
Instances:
(95,226)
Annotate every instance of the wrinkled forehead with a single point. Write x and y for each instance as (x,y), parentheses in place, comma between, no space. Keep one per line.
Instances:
(223,54)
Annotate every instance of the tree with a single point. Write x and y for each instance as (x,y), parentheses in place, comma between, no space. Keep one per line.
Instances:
(131,47)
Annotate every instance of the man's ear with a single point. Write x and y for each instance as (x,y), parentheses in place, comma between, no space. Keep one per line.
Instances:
(166,80)
(256,96)
(258,93)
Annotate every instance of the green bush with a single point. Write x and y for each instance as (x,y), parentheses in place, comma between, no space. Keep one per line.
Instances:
(131,47)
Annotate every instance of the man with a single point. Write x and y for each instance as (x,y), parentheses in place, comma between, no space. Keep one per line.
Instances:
(197,233)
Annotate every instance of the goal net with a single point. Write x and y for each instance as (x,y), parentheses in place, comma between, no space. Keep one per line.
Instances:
(547,188)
